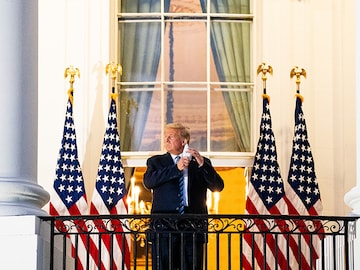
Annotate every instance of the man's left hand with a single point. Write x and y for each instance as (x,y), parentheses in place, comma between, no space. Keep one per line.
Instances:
(199,158)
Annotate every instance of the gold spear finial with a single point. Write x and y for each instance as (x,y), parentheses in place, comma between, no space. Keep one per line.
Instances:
(264,69)
(298,72)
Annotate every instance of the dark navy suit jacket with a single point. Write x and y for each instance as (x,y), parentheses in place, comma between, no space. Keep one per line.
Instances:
(162,177)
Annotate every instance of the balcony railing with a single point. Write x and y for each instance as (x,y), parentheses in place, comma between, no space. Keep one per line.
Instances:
(232,241)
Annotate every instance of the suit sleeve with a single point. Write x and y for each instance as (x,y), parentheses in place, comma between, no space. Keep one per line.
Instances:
(159,171)
(212,178)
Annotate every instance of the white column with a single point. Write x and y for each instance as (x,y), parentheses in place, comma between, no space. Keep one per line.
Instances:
(19,192)
(352,198)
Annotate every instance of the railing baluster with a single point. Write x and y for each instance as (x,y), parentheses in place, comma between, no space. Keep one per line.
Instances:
(311,250)
(299,251)
(265,251)
(64,252)
(229,251)
(146,255)
(99,248)
(76,267)
(52,244)
(87,253)
(123,244)
(241,251)
(194,251)
(289,259)
(346,251)
(252,251)
(135,235)
(217,251)
(205,259)
(111,251)
(334,253)
(323,254)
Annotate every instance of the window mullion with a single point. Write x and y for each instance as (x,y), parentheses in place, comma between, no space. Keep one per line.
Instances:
(162,70)
(208,78)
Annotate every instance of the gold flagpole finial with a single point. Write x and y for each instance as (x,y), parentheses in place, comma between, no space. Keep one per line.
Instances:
(113,69)
(298,72)
(264,69)
(72,72)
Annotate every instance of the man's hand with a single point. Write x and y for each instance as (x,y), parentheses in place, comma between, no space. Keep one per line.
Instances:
(183,163)
(199,158)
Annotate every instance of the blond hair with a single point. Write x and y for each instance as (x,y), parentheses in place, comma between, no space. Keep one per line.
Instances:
(184,131)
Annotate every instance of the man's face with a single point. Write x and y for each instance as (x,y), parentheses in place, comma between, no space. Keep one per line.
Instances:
(174,144)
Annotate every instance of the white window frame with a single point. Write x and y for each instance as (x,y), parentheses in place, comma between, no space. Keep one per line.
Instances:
(219,159)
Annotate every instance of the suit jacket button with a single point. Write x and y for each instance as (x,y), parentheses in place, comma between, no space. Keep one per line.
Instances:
(177,208)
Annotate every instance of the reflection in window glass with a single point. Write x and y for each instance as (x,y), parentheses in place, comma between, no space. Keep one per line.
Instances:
(185,51)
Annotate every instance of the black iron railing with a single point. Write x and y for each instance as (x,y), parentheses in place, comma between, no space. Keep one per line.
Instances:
(231,241)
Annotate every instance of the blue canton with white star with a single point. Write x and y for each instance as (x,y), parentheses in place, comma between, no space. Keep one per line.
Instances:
(302,176)
(69,183)
(265,175)
(110,181)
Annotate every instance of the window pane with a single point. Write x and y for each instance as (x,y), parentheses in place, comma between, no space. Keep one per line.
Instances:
(140,6)
(230,120)
(182,6)
(231,43)
(152,137)
(222,133)
(230,6)
(134,113)
(139,50)
(185,51)
(190,108)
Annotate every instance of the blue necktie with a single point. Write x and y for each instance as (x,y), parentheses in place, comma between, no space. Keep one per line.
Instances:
(181,193)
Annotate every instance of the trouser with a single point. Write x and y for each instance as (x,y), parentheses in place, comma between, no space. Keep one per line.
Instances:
(177,252)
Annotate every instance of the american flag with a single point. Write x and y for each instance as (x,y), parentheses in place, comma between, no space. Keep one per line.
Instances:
(110,198)
(303,190)
(69,197)
(265,196)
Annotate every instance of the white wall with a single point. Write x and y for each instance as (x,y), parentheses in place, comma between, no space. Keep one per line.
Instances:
(318,36)
(72,32)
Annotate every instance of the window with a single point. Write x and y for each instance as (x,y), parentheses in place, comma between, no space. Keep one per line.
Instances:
(186,61)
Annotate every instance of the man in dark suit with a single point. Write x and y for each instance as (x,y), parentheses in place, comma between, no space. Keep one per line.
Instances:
(163,175)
